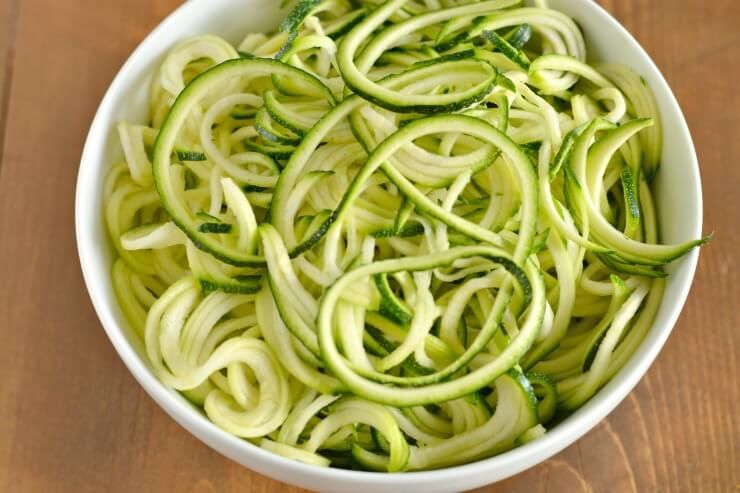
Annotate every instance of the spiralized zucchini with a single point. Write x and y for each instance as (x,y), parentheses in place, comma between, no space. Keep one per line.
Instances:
(392,235)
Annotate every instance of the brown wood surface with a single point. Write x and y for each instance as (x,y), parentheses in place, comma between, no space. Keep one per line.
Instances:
(72,419)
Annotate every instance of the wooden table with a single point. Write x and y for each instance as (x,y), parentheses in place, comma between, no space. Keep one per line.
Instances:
(73,420)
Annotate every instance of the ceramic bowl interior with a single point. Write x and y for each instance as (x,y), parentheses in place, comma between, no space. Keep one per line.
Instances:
(678,197)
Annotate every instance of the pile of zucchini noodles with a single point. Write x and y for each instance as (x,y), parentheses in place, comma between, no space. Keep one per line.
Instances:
(392,235)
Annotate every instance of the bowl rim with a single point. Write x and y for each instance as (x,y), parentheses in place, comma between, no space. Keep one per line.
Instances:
(498,467)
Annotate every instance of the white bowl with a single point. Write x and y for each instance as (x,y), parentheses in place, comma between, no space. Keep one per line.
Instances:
(678,199)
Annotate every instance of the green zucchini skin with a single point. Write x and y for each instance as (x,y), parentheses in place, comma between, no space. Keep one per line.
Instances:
(390,305)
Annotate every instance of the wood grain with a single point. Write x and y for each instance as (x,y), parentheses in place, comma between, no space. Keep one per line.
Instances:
(73,420)
(8,18)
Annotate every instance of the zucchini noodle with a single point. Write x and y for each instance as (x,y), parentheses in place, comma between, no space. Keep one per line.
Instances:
(393,235)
